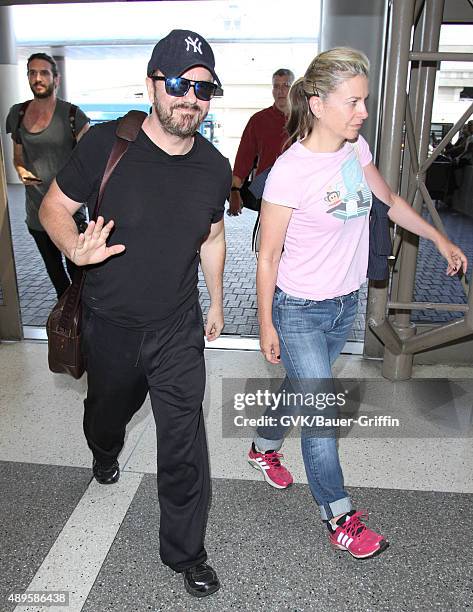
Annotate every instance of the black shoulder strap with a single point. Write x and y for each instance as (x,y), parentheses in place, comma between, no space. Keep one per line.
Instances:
(72,123)
(21,115)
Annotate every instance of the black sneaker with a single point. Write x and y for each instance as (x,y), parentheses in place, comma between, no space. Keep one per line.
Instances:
(201,580)
(106,474)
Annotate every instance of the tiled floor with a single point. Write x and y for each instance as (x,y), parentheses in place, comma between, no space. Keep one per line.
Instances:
(61,531)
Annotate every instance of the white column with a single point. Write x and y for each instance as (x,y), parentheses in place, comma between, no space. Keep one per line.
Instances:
(9,91)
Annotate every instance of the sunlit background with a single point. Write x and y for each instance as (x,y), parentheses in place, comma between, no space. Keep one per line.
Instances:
(107,47)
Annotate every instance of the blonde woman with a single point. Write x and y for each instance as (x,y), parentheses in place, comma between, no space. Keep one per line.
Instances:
(313,259)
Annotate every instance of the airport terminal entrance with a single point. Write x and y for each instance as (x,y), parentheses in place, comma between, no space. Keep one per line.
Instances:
(247,89)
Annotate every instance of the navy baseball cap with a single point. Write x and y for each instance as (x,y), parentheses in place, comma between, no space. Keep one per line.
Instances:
(179,51)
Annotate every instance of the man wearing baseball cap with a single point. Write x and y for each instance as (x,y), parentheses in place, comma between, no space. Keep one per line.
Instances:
(143,330)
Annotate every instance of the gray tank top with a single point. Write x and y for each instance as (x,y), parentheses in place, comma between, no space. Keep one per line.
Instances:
(45,153)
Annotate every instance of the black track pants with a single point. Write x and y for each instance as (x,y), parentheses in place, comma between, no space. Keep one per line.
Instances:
(122,367)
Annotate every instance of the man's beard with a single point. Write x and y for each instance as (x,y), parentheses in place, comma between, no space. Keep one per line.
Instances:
(46,93)
(180,124)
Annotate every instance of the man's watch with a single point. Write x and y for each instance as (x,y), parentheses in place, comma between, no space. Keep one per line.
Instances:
(235,189)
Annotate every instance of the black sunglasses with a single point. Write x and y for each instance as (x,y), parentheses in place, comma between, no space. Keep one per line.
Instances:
(179,86)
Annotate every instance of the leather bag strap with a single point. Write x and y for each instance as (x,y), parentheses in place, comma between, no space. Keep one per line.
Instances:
(126,132)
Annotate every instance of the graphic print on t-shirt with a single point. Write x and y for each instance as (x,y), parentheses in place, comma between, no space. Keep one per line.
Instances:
(352,197)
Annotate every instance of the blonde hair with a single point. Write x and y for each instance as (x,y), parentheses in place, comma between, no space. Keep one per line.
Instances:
(325,73)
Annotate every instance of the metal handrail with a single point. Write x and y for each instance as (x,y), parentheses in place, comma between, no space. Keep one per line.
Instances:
(440,56)
(428,306)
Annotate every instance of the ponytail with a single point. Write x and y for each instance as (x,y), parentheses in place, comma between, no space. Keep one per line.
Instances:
(299,122)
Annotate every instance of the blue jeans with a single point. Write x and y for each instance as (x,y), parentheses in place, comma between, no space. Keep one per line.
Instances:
(311,336)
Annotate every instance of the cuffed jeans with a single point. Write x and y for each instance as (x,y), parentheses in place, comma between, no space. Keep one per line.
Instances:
(311,336)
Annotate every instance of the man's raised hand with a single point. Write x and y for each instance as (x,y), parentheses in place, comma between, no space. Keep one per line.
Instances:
(92,246)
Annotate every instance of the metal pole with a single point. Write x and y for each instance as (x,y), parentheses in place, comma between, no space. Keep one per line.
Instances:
(10,319)
(402,16)
(399,367)
(9,93)
(418,9)
(440,56)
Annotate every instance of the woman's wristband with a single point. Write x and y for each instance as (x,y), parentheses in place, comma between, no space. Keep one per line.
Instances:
(235,189)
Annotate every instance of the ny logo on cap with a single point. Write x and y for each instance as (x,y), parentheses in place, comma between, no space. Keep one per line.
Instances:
(195,44)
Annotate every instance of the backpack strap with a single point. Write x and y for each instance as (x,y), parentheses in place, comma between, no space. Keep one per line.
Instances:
(72,123)
(21,115)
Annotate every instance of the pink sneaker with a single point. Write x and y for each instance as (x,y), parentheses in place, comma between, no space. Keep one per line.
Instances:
(274,473)
(355,537)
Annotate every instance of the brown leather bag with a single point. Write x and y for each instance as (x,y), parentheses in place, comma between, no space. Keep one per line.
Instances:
(64,323)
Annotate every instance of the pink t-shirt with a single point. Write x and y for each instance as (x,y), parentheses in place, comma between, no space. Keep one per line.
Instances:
(326,246)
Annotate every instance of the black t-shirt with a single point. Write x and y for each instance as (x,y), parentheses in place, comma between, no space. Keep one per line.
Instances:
(162,206)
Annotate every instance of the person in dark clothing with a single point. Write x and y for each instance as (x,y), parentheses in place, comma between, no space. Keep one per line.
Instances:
(142,325)
(44,131)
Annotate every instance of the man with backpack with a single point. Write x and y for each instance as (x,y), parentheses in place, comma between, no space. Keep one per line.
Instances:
(142,327)
(261,143)
(44,131)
